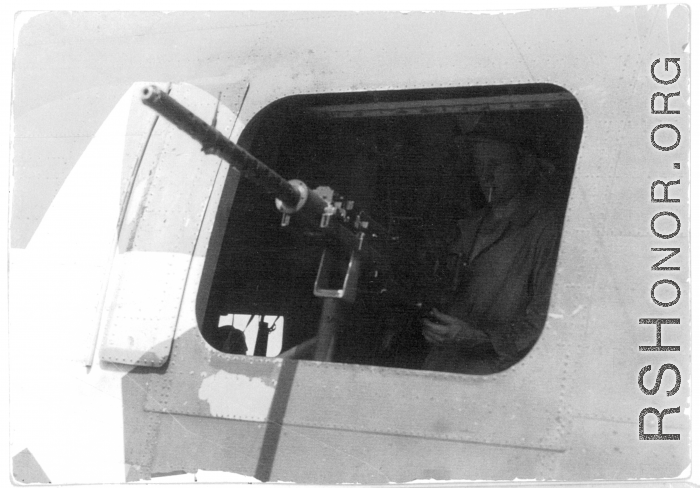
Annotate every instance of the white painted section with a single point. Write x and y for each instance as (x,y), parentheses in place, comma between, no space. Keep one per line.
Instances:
(143,314)
(236,395)
(73,246)
(55,401)
(70,417)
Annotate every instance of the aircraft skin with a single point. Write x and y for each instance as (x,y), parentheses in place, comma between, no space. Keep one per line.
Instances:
(117,221)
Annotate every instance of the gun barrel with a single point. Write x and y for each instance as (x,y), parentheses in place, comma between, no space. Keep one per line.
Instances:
(309,205)
(214,142)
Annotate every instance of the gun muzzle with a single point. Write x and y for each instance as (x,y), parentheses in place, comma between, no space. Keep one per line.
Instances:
(294,195)
(214,142)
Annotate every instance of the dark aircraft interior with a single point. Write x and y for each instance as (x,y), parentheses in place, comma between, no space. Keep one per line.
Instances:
(402,156)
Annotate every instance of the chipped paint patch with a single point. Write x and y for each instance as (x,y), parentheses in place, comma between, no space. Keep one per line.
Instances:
(236,396)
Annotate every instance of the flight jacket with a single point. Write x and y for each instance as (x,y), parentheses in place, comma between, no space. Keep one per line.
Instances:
(503,289)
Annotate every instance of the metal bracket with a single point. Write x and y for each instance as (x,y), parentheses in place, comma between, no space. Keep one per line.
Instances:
(348,292)
(328,212)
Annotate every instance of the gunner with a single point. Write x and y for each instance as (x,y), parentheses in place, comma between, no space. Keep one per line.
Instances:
(506,255)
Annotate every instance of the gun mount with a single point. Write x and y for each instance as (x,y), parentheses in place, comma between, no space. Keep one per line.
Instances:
(354,238)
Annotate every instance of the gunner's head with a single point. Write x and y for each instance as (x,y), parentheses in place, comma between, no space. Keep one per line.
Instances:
(502,168)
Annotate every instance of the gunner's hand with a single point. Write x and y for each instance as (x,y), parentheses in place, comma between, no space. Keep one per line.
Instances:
(441,328)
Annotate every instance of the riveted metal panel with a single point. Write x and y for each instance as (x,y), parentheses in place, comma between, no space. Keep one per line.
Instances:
(434,405)
(141,429)
(451,407)
(350,433)
(189,443)
(589,52)
(161,223)
(143,316)
(358,457)
(611,247)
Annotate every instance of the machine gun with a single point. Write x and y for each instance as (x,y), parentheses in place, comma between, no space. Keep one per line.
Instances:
(354,239)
